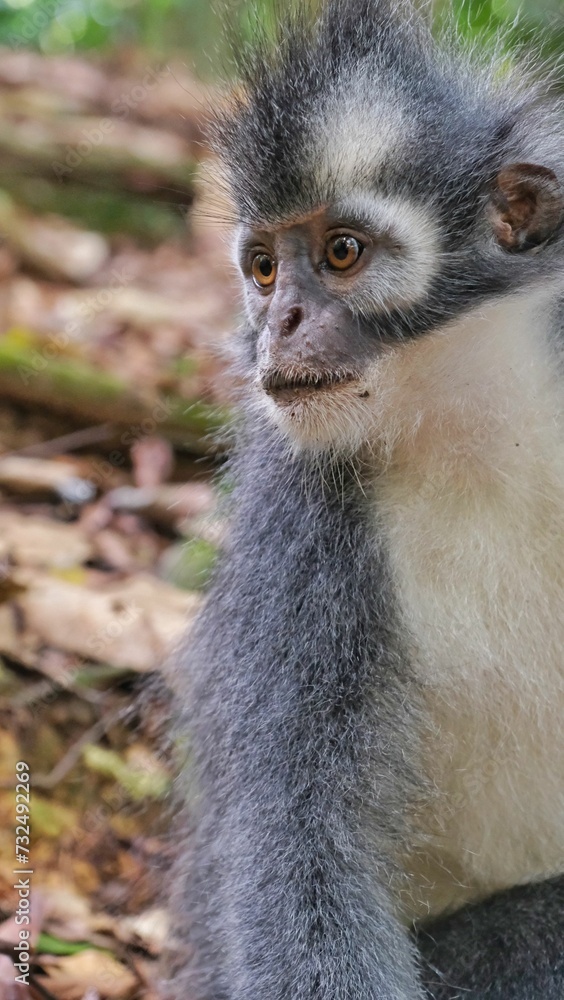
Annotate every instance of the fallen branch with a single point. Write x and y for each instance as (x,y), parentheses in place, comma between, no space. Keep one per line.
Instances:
(81,391)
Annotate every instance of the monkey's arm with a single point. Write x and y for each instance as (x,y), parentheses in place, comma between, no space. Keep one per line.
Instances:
(510,947)
(301,737)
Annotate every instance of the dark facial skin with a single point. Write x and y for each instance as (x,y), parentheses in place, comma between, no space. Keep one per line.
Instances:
(298,279)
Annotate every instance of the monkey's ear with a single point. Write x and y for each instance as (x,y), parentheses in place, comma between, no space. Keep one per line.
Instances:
(526,206)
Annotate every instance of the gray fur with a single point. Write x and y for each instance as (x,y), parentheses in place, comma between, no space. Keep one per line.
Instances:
(511,947)
(299,710)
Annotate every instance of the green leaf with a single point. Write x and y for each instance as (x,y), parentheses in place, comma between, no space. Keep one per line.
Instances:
(138,782)
(49,945)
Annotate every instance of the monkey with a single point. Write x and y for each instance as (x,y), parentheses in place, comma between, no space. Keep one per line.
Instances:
(374,690)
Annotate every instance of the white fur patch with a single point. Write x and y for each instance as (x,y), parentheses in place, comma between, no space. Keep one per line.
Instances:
(471,434)
(357,133)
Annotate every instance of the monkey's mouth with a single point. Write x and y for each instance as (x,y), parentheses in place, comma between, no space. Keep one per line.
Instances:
(287,387)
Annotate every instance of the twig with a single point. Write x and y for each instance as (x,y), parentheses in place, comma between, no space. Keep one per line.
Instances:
(67,762)
(65,442)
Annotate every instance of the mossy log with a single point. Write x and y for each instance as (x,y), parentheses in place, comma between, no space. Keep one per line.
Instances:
(90,395)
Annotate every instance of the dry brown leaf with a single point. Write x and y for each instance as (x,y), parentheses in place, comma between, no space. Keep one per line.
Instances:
(130,624)
(42,542)
(67,914)
(148,930)
(69,977)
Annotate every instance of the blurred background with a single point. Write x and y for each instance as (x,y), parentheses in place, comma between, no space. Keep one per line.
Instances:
(117,299)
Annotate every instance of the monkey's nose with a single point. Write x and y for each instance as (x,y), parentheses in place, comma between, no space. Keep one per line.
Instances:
(291,321)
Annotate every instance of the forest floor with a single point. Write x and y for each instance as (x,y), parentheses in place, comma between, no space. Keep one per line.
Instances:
(116,301)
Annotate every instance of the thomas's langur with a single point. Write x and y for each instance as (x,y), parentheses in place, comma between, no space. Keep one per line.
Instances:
(374,692)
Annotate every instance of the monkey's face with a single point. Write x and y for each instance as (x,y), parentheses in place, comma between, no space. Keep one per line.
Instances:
(313,287)
(336,298)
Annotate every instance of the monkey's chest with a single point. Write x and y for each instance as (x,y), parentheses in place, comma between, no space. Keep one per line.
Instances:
(481,594)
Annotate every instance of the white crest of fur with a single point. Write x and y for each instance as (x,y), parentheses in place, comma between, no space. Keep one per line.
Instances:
(343,143)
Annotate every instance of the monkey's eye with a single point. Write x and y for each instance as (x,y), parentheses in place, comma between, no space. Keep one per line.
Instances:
(342,252)
(263,270)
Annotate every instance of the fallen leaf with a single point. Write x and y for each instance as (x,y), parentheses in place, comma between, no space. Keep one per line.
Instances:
(129,624)
(141,776)
(67,912)
(42,542)
(148,930)
(71,976)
